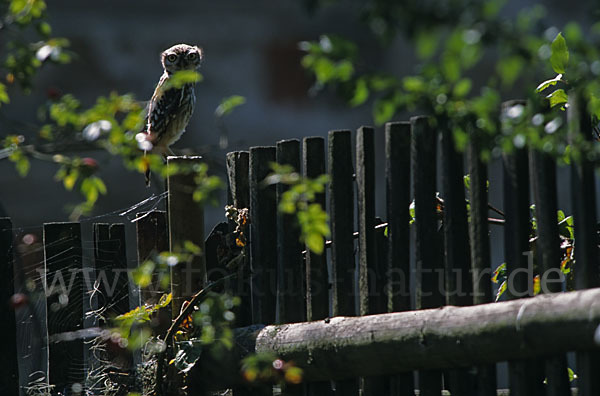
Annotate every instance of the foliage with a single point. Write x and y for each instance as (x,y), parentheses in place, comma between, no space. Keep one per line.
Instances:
(24,57)
(299,199)
(228,104)
(267,368)
(455,39)
(209,330)
(566,234)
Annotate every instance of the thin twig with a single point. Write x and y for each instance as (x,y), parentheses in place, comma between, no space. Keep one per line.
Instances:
(196,299)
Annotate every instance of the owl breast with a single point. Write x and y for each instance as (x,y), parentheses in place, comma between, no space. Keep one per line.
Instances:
(186,108)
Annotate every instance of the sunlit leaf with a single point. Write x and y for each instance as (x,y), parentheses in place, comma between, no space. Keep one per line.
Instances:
(501,291)
(3,94)
(228,104)
(560,54)
(361,93)
(558,98)
(549,83)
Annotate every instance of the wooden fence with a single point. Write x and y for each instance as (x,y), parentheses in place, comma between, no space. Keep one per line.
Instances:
(366,271)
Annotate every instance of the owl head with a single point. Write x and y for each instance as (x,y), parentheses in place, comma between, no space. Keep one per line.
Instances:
(181,57)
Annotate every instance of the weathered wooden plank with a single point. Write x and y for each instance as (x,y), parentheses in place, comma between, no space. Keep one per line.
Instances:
(341,206)
(9,380)
(543,176)
(458,281)
(152,238)
(263,232)
(345,347)
(237,175)
(586,231)
(110,260)
(480,248)
(397,170)
(186,223)
(64,301)
(371,271)
(525,377)
(429,265)
(317,282)
(289,249)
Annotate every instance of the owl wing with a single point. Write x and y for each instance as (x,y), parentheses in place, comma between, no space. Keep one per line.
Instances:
(163,109)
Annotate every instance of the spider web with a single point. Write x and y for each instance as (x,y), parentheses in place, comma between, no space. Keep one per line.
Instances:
(91,374)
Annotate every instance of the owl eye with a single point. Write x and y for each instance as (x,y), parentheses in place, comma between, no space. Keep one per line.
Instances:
(192,55)
(172,58)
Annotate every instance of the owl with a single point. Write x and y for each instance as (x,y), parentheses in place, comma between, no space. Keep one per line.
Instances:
(170,108)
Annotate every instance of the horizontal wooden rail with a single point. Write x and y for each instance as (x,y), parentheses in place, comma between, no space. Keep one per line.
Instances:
(446,337)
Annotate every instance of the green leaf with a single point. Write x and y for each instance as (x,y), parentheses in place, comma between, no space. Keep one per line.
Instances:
(99,185)
(560,54)
(192,247)
(383,110)
(467,181)
(142,275)
(548,83)
(558,98)
(427,42)
(3,94)
(501,291)
(361,93)
(228,104)
(510,69)
(183,77)
(572,375)
(315,242)
(165,300)
(70,179)
(462,87)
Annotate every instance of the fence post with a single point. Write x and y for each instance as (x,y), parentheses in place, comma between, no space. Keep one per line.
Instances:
(238,181)
(290,290)
(9,380)
(289,249)
(480,248)
(370,277)
(341,206)
(263,231)
(526,376)
(458,284)
(397,174)
(585,218)
(317,282)
(186,223)
(64,302)
(428,261)
(543,177)
(237,175)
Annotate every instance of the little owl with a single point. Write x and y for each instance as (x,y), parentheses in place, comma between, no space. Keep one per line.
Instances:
(170,108)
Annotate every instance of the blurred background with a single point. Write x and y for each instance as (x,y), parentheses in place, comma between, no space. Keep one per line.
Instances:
(251,49)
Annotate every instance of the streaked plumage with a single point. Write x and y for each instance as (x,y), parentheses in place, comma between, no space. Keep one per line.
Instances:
(170,108)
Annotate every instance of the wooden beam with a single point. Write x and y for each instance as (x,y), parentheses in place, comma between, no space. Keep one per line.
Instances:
(432,339)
